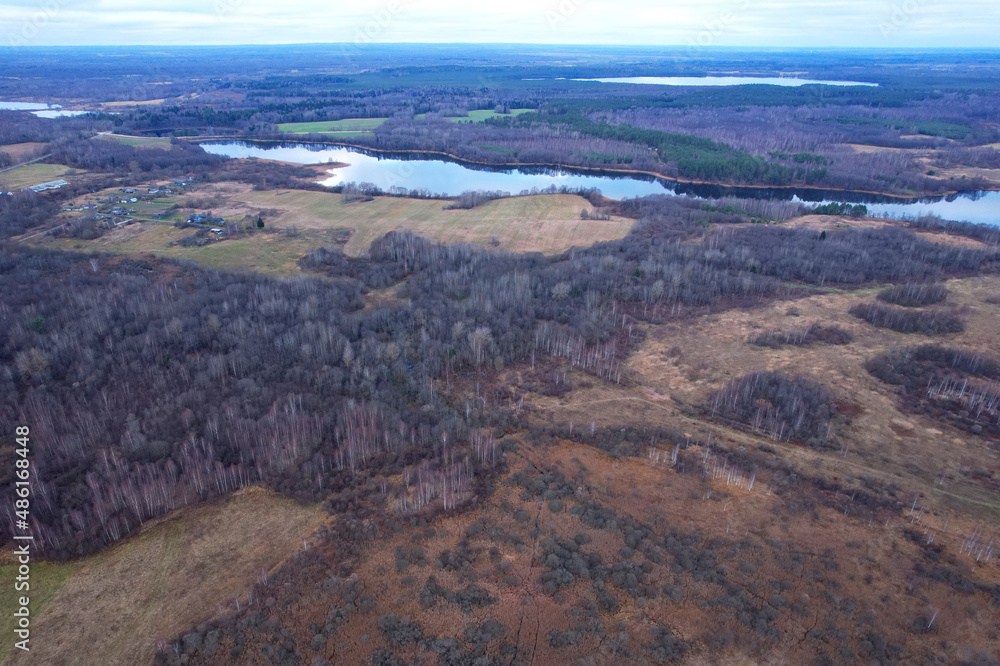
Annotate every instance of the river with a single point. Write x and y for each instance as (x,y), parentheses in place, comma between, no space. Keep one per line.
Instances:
(451,178)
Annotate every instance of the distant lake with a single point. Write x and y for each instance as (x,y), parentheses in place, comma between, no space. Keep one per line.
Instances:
(434,175)
(59,113)
(26,106)
(790,82)
(451,178)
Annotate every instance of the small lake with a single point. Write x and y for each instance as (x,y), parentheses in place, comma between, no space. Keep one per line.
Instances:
(450,178)
(789,82)
(59,113)
(26,106)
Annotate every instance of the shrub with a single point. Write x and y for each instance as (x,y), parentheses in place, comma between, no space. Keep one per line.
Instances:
(400,631)
(914,295)
(952,384)
(786,408)
(810,335)
(936,321)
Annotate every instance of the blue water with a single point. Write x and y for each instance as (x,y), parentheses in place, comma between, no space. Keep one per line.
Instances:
(451,179)
(26,106)
(59,113)
(790,82)
(436,176)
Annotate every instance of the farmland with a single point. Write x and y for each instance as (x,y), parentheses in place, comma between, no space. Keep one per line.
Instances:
(138,141)
(302,220)
(101,610)
(33,174)
(347,125)
(21,152)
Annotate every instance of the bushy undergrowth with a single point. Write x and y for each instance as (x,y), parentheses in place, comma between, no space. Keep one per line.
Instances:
(935,321)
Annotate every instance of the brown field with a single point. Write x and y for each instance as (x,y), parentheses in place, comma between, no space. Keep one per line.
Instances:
(298,221)
(21,152)
(34,174)
(684,363)
(145,102)
(111,607)
(815,556)
(271,253)
(831,222)
(138,141)
(543,223)
(834,222)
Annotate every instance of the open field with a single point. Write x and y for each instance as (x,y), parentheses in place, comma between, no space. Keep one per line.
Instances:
(33,174)
(480,116)
(110,608)
(22,152)
(138,141)
(835,222)
(757,545)
(128,103)
(268,253)
(544,223)
(303,220)
(346,125)
(352,127)
(684,363)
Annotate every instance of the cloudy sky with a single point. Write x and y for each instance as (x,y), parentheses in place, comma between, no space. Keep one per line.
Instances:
(867,23)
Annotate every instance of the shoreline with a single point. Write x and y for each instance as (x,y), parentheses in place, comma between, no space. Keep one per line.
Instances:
(569,167)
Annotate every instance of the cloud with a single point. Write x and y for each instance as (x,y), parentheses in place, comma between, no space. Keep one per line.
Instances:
(728,22)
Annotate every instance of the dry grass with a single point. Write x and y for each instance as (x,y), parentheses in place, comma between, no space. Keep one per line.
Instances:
(683,363)
(873,567)
(128,103)
(298,221)
(138,141)
(544,223)
(835,222)
(176,573)
(33,174)
(21,152)
(272,253)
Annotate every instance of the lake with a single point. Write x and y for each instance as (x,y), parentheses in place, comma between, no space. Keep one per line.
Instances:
(450,178)
(59,113)
(26,106)
(789,82)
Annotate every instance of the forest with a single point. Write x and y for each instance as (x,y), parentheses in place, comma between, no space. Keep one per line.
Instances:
(153,385)
(575,440)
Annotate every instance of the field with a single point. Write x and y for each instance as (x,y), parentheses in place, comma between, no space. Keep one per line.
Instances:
(346,125)
(353,127)
(269,253)
(480,116)
(138,141)
(545,223)
(21,152)
(683,363)
(298,221)
(33,174)
(110,608)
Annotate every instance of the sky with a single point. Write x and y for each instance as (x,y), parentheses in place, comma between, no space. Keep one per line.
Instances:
(706,23)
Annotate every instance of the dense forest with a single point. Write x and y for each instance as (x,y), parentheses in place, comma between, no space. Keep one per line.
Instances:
(449,396)
(152,384)
(740,135)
